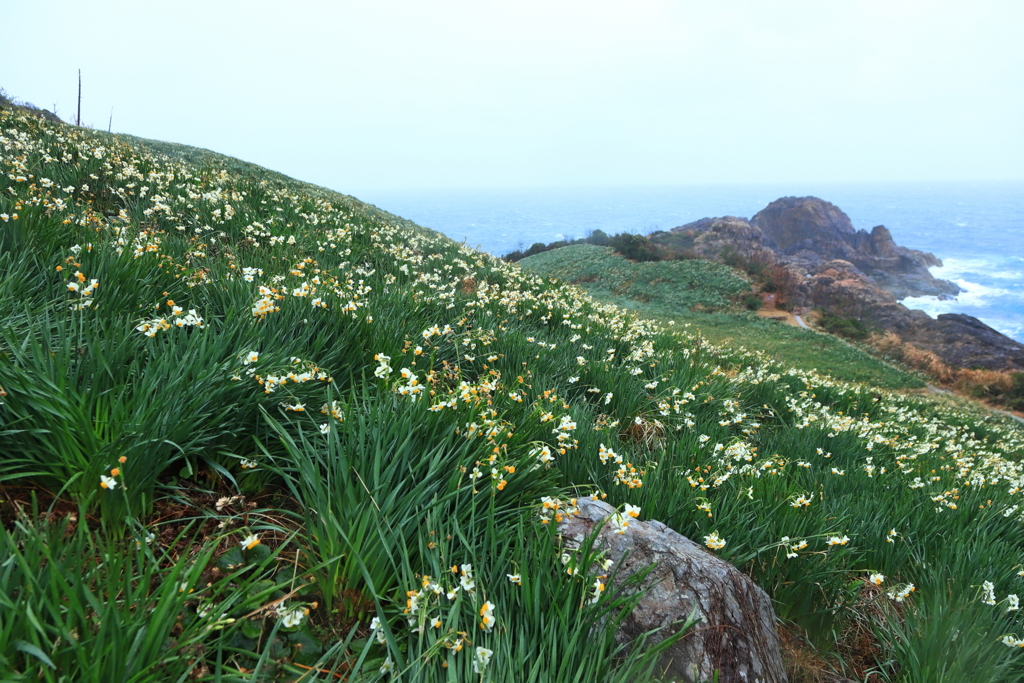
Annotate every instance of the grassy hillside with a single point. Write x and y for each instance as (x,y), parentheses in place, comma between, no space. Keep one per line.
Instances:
(254,430)
(665,286)
(701,294)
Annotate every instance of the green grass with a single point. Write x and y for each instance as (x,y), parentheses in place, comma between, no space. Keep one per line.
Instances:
(280,484)
(663,285)
(672,292)
(801,348)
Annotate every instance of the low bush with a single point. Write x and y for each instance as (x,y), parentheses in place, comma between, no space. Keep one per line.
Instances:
(752,301)
(850,328)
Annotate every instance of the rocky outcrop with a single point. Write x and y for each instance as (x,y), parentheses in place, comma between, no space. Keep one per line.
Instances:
(710,238)
(852,273)
(736,635)
(958,340)
(803,233)
(966,342)
(809,231)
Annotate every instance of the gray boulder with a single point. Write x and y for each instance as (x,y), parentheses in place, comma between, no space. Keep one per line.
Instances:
(736,635)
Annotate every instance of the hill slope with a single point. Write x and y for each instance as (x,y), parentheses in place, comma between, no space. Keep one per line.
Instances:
(279,433)
(700,294)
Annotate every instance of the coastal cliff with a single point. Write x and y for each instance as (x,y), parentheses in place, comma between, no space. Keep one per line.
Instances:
(829,265)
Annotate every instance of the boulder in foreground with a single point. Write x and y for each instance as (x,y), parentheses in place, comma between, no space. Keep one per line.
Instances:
(736,634)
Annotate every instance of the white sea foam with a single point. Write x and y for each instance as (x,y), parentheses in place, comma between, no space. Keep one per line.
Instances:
(972,294)
(993,267)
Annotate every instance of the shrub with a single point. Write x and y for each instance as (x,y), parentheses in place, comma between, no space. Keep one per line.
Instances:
(1015,395)
(851,328)
(637,247)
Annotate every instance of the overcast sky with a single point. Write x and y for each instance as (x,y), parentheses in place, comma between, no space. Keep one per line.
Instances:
(388,94)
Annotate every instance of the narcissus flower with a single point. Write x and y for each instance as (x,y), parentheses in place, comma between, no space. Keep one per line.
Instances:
(714,542)
(108,483)
(487,616)
(481,659)
(291,616)
(250,542)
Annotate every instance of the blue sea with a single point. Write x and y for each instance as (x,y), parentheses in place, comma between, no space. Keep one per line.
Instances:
(977,229)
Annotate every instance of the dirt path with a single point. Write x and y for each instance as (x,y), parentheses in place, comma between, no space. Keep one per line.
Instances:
(784,317)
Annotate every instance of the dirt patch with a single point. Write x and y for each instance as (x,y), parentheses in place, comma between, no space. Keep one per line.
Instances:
(784,317)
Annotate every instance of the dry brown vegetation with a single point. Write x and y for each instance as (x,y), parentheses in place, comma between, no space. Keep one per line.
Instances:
(994,385)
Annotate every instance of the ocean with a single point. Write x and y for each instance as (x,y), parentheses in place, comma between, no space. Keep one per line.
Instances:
(977,229)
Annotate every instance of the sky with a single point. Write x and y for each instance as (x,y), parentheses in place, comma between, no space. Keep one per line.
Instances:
(394,94)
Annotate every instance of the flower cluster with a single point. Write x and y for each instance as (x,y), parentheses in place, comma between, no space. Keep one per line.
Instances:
(151,327)
(901,592)
(714,541)
(626,473)
(556,509)
(110,481)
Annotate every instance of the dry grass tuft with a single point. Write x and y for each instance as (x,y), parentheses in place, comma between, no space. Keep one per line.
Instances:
(986,384)
(648,434)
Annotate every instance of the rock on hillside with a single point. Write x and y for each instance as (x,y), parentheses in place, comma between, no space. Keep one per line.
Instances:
(959,340)
(964,341)
(735,637)
(709,237)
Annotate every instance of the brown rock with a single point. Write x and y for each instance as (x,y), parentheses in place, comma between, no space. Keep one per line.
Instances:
(806,228)
(964,341)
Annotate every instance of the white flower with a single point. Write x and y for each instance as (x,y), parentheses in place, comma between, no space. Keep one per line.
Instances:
(466,581)
(291,616)
(250,542)
(899,594)
(714,542)
(107,482)
(619,523)
(876,579)
(487,616)
(376,630)
(989,597)
(481,659)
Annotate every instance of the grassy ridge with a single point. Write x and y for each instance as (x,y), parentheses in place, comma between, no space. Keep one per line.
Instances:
(700,294)
(670,285)
(290,436)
